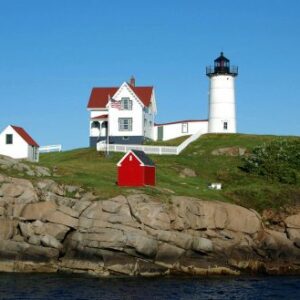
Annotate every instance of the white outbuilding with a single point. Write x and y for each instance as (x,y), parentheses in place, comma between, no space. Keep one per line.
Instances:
(16,143)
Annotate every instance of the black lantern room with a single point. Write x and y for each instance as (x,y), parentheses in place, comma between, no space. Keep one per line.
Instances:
(221,67)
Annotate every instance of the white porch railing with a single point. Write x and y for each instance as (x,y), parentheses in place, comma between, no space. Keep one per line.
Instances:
(50,148)
(160,150)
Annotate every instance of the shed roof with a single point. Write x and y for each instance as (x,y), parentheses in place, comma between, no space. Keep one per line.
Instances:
(26,137)
(141,156)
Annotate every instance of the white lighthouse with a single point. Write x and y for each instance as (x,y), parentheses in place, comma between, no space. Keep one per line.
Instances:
(221,117)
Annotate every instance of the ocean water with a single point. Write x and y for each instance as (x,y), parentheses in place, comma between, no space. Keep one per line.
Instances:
(59,286)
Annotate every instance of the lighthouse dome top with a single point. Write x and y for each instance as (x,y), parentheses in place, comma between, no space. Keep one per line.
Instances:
(221,67)
(221,58)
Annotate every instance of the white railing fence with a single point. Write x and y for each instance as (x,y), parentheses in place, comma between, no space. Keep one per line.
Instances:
(160,150)
(189,140)
(50,148)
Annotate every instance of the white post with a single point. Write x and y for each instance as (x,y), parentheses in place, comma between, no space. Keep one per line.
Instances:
(107,133)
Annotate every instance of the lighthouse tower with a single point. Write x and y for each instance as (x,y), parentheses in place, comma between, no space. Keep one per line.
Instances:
(221,117)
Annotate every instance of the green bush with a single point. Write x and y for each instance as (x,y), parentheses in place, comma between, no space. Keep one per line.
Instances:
(278,160)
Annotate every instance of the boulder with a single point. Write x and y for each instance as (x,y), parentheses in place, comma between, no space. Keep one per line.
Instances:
(26,229)
(29,196)
(150,213)
(15,209)
(68,211)
(61,218)
(143,244)
(37,211)
(197,214)
(294,235)
(35,240)
(40,253)
(113,205)
(12,190)
(187,172)
(22,182)
(50,241)
(202,244)
(42,171)
(180,239)
(9,248)
(168,254)
(88,197)
(7,229)
(230,151)
(293,221)
(275,244)
(80,205)
(58,231)
(242,219)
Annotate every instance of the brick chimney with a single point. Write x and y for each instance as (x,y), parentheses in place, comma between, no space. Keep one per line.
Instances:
(132,81)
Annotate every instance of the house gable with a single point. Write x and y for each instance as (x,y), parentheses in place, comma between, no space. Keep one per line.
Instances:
(126,156)
(140,156)
(126,88)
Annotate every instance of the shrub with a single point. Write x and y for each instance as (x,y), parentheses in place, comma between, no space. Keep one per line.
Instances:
(278,160)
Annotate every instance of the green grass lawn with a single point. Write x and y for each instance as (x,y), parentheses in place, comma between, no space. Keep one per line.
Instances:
(93,170)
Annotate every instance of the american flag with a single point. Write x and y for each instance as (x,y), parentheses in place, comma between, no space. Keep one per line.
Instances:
(114,103)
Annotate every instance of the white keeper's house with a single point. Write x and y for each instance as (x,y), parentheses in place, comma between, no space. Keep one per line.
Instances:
(16,143)
(126,114)
(122,115)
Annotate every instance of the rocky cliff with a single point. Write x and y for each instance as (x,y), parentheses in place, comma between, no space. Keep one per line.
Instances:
(46,227)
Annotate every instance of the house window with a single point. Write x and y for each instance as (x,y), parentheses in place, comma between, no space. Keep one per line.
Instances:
(225,125)
(9,139)
(125,124)
(184,128)
(126,104)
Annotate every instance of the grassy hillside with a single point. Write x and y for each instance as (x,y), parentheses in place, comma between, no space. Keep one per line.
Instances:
(94,170)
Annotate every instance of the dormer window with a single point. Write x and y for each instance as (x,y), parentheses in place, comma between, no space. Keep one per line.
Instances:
(126,104)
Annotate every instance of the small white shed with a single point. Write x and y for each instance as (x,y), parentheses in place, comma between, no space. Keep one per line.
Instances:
(15,142)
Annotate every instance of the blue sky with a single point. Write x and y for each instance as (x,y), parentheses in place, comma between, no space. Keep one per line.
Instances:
(54,52)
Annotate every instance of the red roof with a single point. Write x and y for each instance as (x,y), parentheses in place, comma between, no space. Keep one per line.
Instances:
(99,96)
(100,117)
(26,137)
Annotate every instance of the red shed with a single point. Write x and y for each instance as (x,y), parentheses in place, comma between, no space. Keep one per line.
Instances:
(136,169)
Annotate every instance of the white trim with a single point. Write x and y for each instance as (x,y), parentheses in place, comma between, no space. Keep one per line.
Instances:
(125,85)
(130,151)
